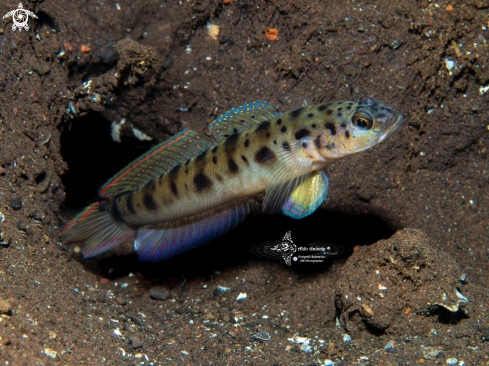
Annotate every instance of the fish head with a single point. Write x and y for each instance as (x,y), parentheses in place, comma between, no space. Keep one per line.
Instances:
(353,127)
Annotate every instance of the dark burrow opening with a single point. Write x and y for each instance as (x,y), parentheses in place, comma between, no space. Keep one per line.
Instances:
(93,158)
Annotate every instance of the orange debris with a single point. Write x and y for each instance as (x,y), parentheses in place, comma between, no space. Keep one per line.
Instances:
(449,8)
(407,311)
(85,48)
(271,33)
(68,46)
(228,2)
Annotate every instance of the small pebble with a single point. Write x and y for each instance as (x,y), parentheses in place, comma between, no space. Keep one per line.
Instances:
(136,342)
(159,293)
(391,347)
(134,319)
(101,298)
(430,353)
(16,204)
(452,361)
(263,336)
(5,307)
(219,290)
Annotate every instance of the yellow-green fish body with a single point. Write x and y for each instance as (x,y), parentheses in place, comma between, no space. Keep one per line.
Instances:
(190,189)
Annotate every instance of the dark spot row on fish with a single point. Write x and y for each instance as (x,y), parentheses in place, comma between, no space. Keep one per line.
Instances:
(173,188)
(115,212)
(233,167)
(331,127)
(264,126)
(296,113)
(202,182)
(303,132)
(265,155)
(130,202)
(148,197)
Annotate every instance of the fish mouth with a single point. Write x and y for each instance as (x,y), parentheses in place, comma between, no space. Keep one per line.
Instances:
(392,126)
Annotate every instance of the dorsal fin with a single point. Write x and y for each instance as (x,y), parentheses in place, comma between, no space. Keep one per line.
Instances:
(239,119)
(157,161)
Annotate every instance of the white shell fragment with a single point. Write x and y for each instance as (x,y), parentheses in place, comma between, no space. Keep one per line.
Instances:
(305,347)
(116,130)
(454,307)
(50,352)
(461,297)
(449,65)
(241,296)
(117,332)
(303,341)
(298,339)
(140,135)
(263,336)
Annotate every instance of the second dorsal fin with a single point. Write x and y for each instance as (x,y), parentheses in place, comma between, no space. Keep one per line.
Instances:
(241,118)
(157,161)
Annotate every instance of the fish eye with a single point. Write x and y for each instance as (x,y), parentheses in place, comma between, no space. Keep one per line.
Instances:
(363,121)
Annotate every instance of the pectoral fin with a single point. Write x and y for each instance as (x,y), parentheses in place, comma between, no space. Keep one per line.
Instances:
(299,197)
(307,196)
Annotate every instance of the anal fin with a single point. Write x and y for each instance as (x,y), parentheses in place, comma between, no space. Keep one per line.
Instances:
(166,240)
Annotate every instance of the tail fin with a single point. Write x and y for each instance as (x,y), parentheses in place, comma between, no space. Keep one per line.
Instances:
(97,228)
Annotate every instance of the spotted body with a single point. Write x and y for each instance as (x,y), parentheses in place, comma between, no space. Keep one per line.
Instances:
(191,189)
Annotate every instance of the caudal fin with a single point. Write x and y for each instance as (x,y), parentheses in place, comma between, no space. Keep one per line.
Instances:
(95,226)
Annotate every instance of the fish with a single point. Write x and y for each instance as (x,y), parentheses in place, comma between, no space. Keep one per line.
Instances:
(192,188)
